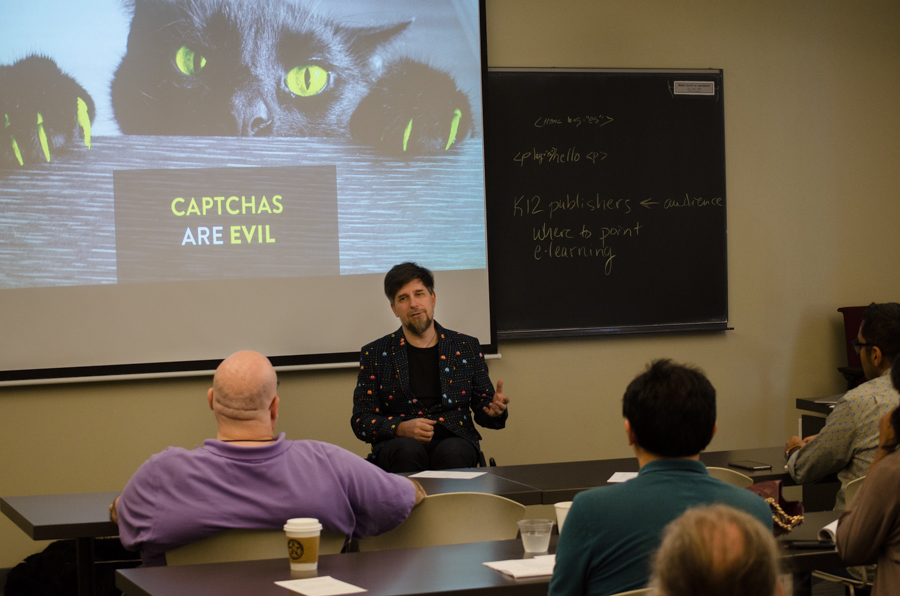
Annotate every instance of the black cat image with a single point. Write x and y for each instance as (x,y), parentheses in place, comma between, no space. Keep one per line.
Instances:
(241,68)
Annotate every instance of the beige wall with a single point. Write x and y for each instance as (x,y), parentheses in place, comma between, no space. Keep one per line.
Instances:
(813,147)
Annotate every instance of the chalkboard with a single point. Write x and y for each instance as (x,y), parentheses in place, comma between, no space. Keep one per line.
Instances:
(606,201)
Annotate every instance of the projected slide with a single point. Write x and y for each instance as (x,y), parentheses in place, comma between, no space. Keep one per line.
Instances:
(386,94)
(169,142)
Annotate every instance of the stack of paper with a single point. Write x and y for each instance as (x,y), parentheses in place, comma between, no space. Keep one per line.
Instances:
(539,566)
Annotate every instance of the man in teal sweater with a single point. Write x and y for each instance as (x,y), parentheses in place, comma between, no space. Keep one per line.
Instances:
(611,532)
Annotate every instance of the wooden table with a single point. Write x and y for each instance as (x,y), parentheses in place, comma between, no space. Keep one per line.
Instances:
(436,570)
(802,562)
(453,570)
(561,481)
(83,517)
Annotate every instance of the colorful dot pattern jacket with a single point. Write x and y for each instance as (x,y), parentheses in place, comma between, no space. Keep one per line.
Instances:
(382,398)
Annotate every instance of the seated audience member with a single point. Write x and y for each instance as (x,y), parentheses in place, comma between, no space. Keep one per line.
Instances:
(612,531)
(869,530)
(249,478)
(717,550)
(848,442)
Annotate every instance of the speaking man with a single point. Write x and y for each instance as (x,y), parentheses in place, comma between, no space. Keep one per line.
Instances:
(421,387)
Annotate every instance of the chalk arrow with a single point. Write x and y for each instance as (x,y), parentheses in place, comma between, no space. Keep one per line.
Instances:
(647,202)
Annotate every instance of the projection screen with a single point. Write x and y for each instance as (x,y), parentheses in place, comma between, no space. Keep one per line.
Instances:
(181,179)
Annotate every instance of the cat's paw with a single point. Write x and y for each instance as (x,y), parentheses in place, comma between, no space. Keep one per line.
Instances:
(412,110)
(42,111)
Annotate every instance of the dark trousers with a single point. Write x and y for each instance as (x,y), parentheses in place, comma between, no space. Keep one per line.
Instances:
(402,454)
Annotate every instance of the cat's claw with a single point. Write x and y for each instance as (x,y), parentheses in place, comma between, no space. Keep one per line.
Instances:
(454,128)
(84,121)
(44,111)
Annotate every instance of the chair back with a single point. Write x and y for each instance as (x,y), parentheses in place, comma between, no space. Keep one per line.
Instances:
(245,545)
(851,489)
(730,476)
(452,518)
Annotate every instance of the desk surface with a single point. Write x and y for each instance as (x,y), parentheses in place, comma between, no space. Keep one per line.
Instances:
(455,569)
(55,517)
(814,405)
(806,560)
(86,515)
(562,481)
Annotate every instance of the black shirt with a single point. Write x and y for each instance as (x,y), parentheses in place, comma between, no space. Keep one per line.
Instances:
(424,380)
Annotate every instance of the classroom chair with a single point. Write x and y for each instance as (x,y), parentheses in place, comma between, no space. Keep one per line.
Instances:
(452,518)
(730,476)
(245,545)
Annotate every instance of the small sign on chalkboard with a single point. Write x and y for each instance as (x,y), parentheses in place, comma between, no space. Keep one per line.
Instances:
(694,88)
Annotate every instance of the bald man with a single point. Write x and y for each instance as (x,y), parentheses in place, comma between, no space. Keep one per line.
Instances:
(717,550)
(247,477)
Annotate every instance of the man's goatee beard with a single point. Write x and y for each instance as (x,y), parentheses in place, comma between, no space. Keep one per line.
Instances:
(419,328)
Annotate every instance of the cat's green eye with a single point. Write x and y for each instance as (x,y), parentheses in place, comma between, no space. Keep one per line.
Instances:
(307,81)
(188,61)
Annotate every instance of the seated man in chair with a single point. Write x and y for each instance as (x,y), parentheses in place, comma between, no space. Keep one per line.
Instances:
(247,477)
(611,532)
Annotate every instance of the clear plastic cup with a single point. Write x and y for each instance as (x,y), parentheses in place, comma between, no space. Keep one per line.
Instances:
(303,542)
(535,534)
(562,510)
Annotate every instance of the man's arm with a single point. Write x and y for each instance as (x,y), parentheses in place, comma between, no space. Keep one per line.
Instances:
(368,422)
(869,520)
(113,510)
(380,501)
(830,450)
(489,409)
(420,492)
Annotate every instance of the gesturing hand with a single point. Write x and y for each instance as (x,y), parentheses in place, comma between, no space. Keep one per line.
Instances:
(498,404)
(420,429)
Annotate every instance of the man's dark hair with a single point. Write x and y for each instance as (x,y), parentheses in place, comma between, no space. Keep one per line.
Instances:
(402,274)
(881,327)
(671,409)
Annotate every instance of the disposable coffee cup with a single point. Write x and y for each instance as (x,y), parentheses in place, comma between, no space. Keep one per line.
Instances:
(535,534)
(562,510)
(303,542)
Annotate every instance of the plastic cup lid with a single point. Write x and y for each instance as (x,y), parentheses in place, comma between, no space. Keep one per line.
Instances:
(302,523)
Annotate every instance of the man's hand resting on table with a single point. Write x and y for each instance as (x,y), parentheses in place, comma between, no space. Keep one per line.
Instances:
(794,442)
(113,513)
(420,429)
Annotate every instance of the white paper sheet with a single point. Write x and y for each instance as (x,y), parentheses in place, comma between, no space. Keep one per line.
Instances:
(448,474)
(539,566)
(320,586)
(622,476)
(828,532)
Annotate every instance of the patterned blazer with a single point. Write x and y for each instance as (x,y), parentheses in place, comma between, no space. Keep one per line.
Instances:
(382,398)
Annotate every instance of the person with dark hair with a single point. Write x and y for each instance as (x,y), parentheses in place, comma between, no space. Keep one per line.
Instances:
(717,550)
(869,528)
(421,387)
(611,532)
(848,442)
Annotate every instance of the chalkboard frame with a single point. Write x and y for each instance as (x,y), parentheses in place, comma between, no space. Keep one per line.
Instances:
(717,322)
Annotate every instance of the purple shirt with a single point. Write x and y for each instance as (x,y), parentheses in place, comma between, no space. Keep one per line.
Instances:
(180,496)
